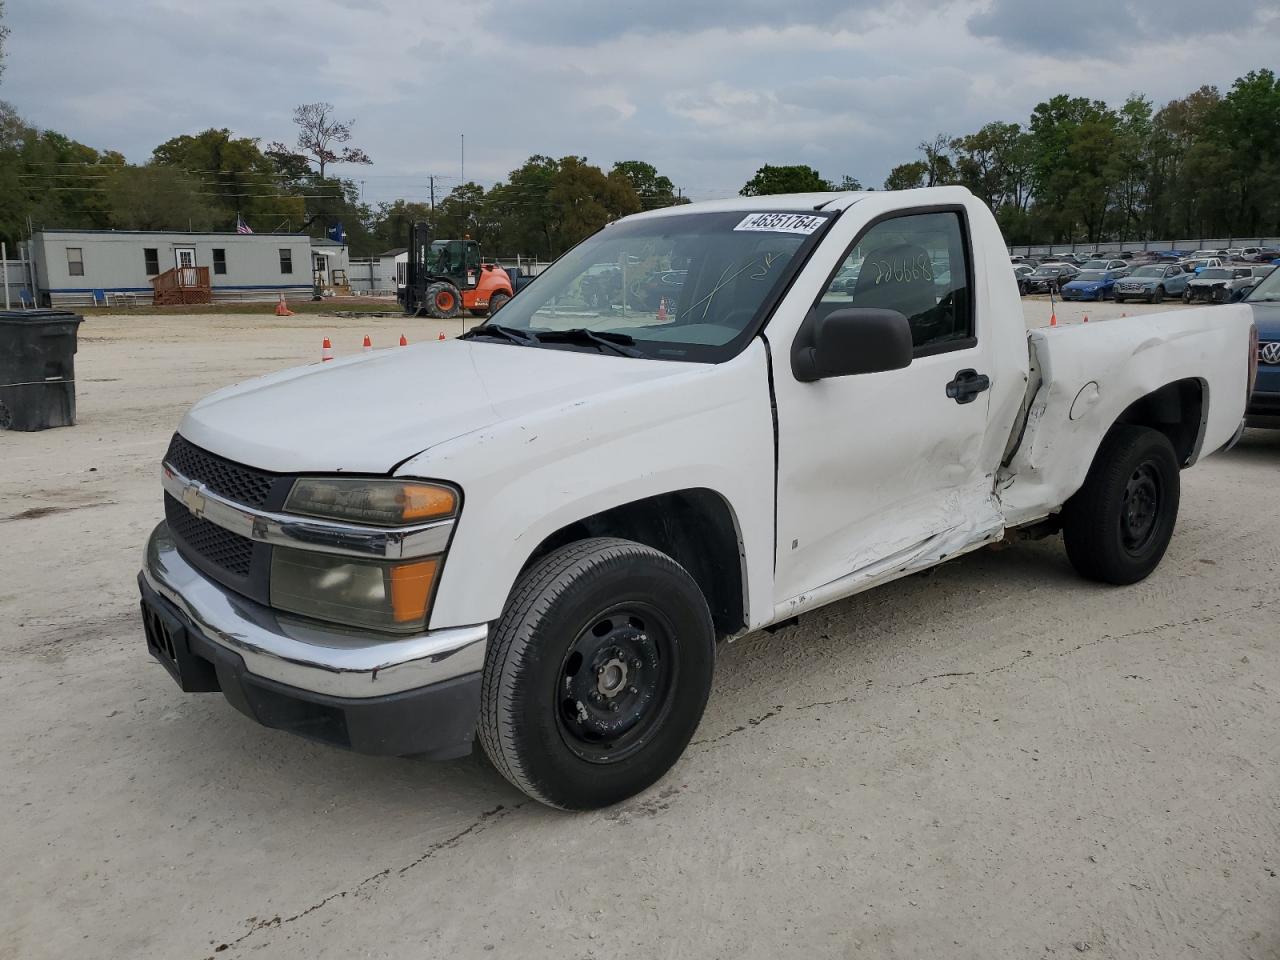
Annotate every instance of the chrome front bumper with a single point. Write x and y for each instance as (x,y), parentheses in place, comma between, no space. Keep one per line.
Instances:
(309,656)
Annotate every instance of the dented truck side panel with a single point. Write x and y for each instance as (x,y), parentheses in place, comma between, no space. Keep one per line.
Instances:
(1088,375)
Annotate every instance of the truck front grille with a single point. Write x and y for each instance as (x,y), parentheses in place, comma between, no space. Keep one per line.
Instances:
(222,548)
(224,477)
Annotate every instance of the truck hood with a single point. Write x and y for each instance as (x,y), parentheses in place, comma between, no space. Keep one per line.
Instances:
(368,413)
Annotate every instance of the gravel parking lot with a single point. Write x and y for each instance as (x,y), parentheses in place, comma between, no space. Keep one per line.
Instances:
(993,760)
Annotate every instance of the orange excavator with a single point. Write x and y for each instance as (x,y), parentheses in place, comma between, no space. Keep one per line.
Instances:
(445,277)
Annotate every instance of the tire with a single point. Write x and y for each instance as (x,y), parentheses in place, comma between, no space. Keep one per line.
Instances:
(497,302)
(1157,295)
(443,301)
(1118,525)
(600,634)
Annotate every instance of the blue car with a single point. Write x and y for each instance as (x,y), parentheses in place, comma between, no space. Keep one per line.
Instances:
(1264,403)
(1091,285)
(1152,283)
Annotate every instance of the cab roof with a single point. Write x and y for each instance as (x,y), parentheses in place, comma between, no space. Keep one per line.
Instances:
(840,200)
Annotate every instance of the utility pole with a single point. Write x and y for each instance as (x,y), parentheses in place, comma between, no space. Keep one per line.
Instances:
(463,171)
(432,178)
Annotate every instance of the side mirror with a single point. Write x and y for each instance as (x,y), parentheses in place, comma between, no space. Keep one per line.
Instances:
(851,341)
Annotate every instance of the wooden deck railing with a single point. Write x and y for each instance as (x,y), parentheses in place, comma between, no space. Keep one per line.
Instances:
(182,285)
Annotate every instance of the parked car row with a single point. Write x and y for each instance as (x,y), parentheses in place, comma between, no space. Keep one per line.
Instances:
(1211,279)
(1264,255)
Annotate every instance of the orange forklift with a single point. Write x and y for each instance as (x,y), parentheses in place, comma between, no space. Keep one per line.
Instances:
(444,277)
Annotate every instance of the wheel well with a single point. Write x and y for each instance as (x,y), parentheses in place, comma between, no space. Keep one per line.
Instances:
(694,527)
(1177,410)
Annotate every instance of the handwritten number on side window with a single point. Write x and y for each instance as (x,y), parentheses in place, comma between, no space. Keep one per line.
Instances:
(903,270)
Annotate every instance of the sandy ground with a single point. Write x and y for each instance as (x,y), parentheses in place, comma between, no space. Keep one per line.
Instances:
(994,760)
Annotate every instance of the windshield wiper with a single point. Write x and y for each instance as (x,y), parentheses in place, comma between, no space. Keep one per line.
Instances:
(513,334)
(619,343)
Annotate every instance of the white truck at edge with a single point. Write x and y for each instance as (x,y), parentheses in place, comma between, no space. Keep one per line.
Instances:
(839,391)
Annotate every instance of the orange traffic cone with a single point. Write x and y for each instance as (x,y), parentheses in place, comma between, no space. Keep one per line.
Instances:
(368,344)
(282,308)
(441,337)
(1053,319)
(662,310)
(326,350)
(404,342)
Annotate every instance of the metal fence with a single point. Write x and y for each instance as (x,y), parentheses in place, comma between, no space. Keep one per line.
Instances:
(1203,243)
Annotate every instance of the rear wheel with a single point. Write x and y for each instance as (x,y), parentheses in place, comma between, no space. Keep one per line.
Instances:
(497,302)
(443,301)
(596,674)
(1118,525)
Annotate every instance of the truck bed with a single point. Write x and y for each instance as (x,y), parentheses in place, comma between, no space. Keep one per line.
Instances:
(1083,378)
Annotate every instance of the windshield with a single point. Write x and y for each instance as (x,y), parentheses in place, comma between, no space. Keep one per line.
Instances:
(1214,273)
(1267,290)
(1149,272)
(1048,271)
(1094,265)
(1090,276)
(685,287)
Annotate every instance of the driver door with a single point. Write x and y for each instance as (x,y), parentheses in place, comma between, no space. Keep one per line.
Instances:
(878,470)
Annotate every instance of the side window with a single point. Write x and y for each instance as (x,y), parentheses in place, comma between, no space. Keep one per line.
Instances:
(151,260)
(918,265)
(75,261)
(286,260)
(219,260)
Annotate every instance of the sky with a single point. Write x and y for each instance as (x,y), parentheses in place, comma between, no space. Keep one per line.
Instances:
(706,91)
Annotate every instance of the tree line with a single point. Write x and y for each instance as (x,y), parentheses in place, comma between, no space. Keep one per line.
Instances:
(213,180)
(1207,164)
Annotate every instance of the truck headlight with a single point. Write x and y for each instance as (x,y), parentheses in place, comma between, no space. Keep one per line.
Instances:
(379,595)
(379,503)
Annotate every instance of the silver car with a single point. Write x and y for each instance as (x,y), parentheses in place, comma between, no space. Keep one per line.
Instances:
(1153,283)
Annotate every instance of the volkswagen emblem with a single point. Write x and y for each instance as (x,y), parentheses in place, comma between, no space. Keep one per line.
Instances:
(1270,352)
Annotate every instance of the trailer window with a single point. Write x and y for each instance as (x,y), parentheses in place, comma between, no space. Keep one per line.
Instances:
(917,264)
(75,261)
(219,260)
(286,260)
(151,260)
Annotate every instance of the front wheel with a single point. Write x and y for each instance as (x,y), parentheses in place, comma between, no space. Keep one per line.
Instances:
(1118,525)
(497,302)
(597,673)
(443,300)
(1157,295)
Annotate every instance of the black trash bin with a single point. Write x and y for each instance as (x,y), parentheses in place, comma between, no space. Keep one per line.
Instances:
(37,369)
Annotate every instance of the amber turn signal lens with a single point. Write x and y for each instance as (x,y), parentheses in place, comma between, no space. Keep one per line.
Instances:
(424,502)
(411,585)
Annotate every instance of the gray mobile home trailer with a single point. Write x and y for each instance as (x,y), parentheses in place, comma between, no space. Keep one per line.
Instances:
(81,266)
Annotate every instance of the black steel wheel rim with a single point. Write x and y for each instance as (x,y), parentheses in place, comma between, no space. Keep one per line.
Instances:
(616,681)
(1140,508)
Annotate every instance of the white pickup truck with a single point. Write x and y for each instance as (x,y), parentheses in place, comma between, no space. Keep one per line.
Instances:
(699,422)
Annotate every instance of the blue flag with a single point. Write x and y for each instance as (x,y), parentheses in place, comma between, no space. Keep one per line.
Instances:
(337,234)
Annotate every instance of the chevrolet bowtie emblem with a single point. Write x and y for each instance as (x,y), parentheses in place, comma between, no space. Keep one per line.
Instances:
(193,498)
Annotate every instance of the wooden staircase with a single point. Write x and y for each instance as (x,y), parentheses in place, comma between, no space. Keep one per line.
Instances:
(181,285)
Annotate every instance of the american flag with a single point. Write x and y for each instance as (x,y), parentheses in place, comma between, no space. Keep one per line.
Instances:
(241,226)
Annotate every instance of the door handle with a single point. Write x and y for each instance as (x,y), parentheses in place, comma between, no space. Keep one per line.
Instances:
(967,385)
